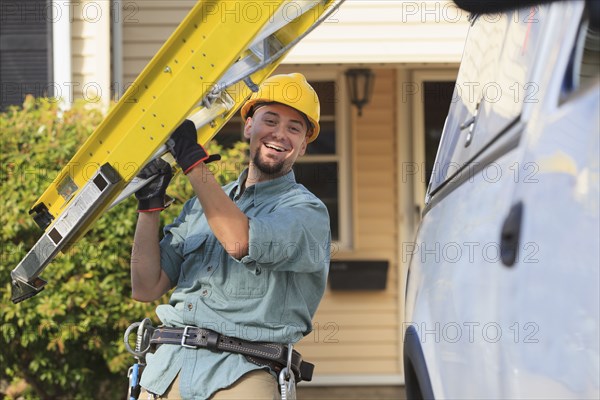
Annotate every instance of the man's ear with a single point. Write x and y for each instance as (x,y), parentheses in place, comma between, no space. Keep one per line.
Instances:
(303,147)
(247,127)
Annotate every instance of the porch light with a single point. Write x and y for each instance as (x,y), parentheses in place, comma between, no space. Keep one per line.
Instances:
(360,84)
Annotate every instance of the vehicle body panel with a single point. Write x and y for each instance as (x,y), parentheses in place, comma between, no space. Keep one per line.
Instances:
(530,329)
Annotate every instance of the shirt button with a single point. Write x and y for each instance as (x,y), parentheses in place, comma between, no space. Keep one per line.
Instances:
(190,306)
(209,268)
(204,292)
(258,271)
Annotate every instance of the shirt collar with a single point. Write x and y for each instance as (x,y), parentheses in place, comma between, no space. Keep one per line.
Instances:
(264,190)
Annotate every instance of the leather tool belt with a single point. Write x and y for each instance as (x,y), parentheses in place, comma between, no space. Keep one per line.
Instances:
(273,355)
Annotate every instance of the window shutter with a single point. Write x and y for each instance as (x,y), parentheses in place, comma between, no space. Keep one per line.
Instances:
(25,50)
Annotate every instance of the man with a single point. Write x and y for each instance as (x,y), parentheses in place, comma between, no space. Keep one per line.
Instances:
(248,260)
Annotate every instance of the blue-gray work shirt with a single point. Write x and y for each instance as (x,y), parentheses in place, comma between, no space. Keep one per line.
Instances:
(270,295)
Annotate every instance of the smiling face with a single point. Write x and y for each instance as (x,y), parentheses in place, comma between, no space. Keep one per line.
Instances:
(277,136)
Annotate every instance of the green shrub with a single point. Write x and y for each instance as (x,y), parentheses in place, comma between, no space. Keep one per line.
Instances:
(66,342)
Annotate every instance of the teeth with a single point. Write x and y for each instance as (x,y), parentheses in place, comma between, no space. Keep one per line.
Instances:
(274,147)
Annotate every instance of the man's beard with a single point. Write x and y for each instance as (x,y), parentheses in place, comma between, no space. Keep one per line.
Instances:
(267,169)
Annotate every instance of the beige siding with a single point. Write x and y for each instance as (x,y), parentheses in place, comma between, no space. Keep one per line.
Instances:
(366,31)
(146,26)
(90,47)
(375,162)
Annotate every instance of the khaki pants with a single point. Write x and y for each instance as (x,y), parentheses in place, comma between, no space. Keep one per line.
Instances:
(257,385)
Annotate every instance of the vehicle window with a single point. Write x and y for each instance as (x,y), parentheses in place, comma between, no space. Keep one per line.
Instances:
(437,96)
(584,64)
(493,85)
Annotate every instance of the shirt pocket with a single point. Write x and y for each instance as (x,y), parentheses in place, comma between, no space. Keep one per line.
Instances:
(193,255)
(246,281)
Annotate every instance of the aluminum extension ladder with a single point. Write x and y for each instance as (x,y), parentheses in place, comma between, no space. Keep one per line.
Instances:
(203,72)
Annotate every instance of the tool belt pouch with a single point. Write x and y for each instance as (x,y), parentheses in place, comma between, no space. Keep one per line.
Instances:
(272,355)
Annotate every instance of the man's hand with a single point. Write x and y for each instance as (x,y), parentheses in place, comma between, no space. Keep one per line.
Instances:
(186,149)
(152,197)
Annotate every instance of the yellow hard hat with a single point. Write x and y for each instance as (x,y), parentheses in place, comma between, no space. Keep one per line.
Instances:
(292,90)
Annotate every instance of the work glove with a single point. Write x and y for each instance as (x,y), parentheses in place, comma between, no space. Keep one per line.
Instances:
(185,147)
(153,197)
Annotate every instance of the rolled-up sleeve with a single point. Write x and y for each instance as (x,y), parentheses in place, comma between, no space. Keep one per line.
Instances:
(171,245)
(296,238)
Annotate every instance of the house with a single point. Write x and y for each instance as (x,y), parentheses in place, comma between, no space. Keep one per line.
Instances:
(371,169)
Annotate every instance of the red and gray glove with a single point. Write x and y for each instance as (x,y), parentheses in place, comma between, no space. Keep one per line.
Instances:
(153,197)
(185,147)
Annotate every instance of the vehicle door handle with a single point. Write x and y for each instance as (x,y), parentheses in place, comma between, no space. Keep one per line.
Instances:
(468,123)
(510,235)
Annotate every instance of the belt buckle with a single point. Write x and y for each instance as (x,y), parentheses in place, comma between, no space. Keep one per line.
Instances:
(185,335)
